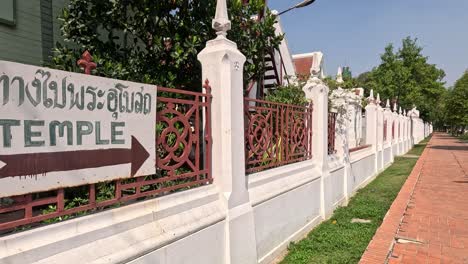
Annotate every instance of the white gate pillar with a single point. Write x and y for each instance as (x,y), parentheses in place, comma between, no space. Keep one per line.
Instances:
(317,91)
(371,127)
(389,119)
(340,104)
(222,64)
(380,134)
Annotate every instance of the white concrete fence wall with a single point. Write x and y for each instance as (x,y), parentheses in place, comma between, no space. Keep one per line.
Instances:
(239,218)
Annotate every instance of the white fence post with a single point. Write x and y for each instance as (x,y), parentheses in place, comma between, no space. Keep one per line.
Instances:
(395,131)
(408,130)
(389,118)
(317,91)
(340,104)
(380,135)
(222,64)
(371,127)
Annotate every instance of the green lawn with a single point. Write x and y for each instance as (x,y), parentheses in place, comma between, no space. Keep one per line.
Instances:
(338,240)
(419,148)
(463,138)
(426,140)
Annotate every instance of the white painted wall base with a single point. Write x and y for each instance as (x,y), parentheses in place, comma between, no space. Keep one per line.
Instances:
(190,227)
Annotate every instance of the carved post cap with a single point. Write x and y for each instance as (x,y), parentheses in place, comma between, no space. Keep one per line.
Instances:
(339,76)
(221,22)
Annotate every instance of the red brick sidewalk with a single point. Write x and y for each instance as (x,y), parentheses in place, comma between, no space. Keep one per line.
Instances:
(428,221)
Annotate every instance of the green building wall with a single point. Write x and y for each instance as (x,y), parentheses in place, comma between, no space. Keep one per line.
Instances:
(31,39)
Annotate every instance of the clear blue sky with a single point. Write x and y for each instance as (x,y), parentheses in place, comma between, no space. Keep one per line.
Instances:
(355,32)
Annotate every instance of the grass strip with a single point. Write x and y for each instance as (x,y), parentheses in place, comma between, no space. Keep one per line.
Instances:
(417,149)
(337,240)
(464,138)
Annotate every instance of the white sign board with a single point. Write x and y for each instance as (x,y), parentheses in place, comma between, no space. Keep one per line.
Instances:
(60,129)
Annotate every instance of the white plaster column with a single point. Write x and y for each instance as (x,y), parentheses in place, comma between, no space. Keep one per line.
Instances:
(222,64)
(380,141)
(417,132)
(371,127)
(403,130)
(395,130)
(352,125)
(408,131)
(389,118)
(403,136)
(317,91)
(397,137)
(340,104)
(411,128)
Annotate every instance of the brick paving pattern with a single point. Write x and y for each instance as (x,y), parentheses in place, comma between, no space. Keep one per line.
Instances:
(428,221)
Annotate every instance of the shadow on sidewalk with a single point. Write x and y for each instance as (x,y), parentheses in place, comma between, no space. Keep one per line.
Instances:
(460,181)
(462,148)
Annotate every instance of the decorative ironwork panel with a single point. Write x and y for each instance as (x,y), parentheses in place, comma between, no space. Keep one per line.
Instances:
(184,161)
(351,150)
(183,140)
(276,134)
(331,132)
(385,131)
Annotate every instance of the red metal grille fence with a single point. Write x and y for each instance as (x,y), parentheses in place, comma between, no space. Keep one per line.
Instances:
(385,130)
(183,161)
(276,134)
(358,148)
(331,132)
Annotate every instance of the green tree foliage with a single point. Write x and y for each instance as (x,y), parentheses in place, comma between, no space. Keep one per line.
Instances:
(347,74)
(289,94)
(348,83)
(456,104)
(406,75)
(440,118)
(362,79)
(158,41)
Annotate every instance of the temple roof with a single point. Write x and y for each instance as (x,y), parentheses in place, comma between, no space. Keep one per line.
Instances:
(303,63)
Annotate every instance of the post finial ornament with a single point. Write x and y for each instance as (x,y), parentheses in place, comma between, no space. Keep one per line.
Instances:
(371,97)
(221,22)
(388,104)
(86,62)
(377,101)
(339,76)
(316,70)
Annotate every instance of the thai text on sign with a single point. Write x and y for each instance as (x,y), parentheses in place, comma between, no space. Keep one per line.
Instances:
(65,129)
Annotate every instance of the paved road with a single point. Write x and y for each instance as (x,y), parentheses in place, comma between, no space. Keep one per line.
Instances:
(428,222)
